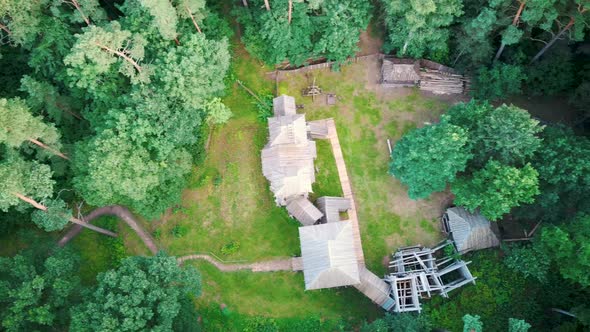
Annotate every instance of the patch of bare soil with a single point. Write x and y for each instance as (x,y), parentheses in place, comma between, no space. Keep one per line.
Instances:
(368,44)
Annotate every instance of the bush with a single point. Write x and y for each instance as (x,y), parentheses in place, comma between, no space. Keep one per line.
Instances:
(230,248)
(498,82)
(179,231)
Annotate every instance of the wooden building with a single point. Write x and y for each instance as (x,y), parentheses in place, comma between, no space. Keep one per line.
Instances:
(287,158)
(469,231)
(329,258)
(331,207)
(400,72)
(304,211)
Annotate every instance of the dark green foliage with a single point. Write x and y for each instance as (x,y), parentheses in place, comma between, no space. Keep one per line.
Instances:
(420,29)
(188,317)
(500,294)
(13,65)
(144,293)
(498,82)
(518,325)
(565,246)
(330,29)
(563,163)
(507,133)
(230,248)
(37,291)
(265,107)
(553,75)
(406,322)
(428,158)
(496,189)
(528,260)
(55,218)
(472,323)
(179,231)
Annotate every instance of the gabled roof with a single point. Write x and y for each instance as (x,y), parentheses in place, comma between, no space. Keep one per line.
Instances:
(329,258)
(288,129)
(470,231)
(284,105)
(287,158)
(302,210)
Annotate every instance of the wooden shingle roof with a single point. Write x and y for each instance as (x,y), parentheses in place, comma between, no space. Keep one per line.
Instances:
(469,231)
(302,210)
(329,258)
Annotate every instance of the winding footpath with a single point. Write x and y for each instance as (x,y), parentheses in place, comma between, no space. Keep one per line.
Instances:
(112,210)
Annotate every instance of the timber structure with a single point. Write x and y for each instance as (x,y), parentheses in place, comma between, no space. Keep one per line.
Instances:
(331,249)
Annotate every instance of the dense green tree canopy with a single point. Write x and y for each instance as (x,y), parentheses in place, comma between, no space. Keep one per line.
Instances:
(420,28)
(36,292)
(328,28)
(507,133)
(496,189)
(428,158)
(498,82)
(144,293)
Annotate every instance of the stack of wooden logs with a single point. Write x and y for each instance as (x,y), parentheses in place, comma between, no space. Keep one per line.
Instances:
(441,83)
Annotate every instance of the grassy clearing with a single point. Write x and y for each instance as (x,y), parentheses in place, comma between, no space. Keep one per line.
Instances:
(365,117)
(327,182)
(99,253)
(277,294)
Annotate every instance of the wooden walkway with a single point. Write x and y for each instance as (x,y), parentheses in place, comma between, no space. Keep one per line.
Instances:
(372,286)
(346,190)
(288,264)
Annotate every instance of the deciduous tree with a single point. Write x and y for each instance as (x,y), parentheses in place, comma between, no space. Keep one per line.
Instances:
(420,28)
(144,293)
(428,158)
(496,189)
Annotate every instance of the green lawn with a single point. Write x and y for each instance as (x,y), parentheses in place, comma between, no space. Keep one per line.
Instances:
(327,182)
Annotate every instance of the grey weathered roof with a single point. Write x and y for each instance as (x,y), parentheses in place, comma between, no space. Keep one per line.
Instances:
(302,209)
(332,206)
(284,105)
(400,71)
(287,158)
(328,253)
(318,129)
(287,129)
(375,288)
(470,231)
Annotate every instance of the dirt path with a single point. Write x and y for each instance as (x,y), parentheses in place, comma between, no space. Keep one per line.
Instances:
(289,264)
(113,210)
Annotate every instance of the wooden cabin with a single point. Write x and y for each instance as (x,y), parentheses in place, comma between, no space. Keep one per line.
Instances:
(469,231)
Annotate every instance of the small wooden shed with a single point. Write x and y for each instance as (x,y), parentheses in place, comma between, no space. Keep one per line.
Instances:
(400,72)
(329,258)
(469,231)
(301,209)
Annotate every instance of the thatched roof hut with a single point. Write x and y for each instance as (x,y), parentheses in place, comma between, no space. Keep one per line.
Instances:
(329,258)
(287,158)
(332,206)
(301,209)
(400,72)
(469,231)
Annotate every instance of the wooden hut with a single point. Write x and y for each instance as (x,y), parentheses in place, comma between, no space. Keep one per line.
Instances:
(301,209)
(469,231)
(400,72)
(331,207)
(329,258)
(287,158)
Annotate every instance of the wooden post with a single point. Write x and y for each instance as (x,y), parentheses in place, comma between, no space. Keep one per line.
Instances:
(267,5)
(389,146)
(245,2)
(290,9)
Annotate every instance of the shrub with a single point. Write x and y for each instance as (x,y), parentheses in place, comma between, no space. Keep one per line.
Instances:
(230,248)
